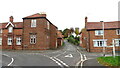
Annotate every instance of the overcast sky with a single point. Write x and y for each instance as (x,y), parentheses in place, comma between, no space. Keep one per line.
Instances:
(62,13)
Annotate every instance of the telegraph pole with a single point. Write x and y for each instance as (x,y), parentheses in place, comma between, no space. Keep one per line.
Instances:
(103,38)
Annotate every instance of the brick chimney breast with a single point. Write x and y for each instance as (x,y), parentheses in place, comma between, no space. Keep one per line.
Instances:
(11,19)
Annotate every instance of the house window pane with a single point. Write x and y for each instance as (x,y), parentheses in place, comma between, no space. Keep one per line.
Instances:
(99,32)
(18,41)
(117,42)
(48,25)
(32,39)
(9,41)
(33,23)
(0,41)
(10,29)
(0,30)
(118,31)
(99,43)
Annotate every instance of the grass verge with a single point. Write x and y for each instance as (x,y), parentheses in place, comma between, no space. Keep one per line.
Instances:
(109,61)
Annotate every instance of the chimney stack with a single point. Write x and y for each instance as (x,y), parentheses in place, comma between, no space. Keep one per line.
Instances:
(11,19)
(86,19)
(43,14)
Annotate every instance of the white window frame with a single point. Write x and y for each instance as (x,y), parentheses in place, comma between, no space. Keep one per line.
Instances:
(32,39)
(9,41)
(118,31)
(33,22)
(0,30)
(0,41)
(114,42)
(18,41)
(48,25)
(97,41)
(10,29)
(97,32)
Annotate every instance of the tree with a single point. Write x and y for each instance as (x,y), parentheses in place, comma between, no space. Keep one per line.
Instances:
(71,30)
(77,31)
(66,32)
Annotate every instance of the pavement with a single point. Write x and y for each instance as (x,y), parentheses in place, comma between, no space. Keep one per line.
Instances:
(68,56)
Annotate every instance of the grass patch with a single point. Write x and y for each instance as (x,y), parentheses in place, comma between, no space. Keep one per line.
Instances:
(109,61)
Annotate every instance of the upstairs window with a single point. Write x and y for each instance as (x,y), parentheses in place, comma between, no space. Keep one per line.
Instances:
(99,32)
(118,31)
(33,23)
(10,29)
(9,41)
(48,25)
(0,41)
(32,39)
(18,41)
(0,30)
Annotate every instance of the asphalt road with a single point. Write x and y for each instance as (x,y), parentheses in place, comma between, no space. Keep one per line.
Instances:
(66,56)
(69,56)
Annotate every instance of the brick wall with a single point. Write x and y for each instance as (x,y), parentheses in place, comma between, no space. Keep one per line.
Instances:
(109,35)
(39,30)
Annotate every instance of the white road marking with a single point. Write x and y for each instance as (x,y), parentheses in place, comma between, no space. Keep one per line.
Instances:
(57,62)
(61,62)
(69,55)
(83,59)
(12,60)
(60,54)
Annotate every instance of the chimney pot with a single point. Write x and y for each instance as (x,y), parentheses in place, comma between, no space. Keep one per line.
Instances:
(11,18)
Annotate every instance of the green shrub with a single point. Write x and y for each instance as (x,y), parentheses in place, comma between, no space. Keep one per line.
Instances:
(73,40)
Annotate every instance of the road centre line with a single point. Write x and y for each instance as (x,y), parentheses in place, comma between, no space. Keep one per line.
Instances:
(61,62)
(83,59)
(57,62)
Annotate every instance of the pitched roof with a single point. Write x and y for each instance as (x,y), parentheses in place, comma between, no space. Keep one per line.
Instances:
(98,25)
(36,15)
(16,25)
(59,34)
(9,23)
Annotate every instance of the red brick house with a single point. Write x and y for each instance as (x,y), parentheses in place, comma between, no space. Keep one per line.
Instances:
(11,34)
(91,37)
(36,32)
(39,33)
(59,38)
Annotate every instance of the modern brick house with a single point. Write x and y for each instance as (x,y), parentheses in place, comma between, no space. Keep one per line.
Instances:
(36,32)
(91,37)
(11,34)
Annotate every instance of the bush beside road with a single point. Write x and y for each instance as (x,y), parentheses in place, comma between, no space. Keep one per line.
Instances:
(73,40)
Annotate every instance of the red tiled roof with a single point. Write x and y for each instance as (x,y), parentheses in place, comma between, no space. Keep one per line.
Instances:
(36,15)
(98,25)
(59,34)
(16,25)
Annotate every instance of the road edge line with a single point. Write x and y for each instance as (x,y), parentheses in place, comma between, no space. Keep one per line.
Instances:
(12,60)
